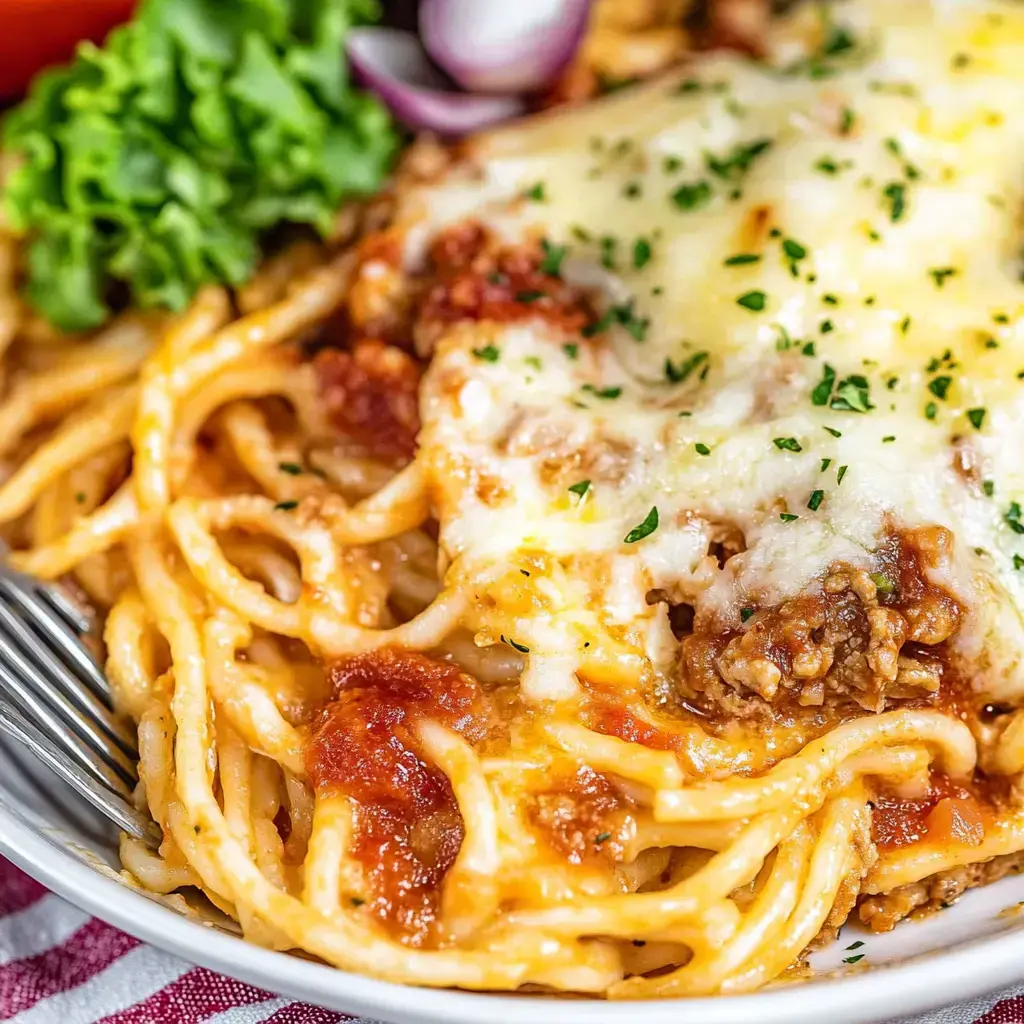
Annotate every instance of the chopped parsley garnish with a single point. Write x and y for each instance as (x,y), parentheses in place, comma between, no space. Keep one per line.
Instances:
(841,473)
(808,349)
(741,259)
(853,959)
(518,647)
(814,502)
(826,327)
(286,506)
(822,390)
(533,362)
(553,256)
(976,417)
(846,121)
(645,529)
(537,193)
(896,193)
(489,353)
(356,901)
(608,244)
(745,614)
(905,325)
(671,164)
(701,448)
(529,296)
(1018,562)
(855,945)
(940,274)
(1012,517)
(678,373)
(632,190)
(602,837)
(883,585)
(788,517)
(571,351)
(793,249)
(931,410)
(580,233)
(80,496)
(641,253)
(833,431)
(989,487)
(581,488)
(754,301)
(888,439)
(827,166)
(606,393)
(825,463)
(830,300)
(735,164)
(291,468)
(787,444)
(940,387)
(852,395)
(692,196)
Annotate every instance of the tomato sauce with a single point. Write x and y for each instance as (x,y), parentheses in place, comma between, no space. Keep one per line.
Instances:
(947,813)
(477,279)
(371,392)
(363,745)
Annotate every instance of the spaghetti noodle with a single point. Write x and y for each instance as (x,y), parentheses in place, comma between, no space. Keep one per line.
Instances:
(468,714)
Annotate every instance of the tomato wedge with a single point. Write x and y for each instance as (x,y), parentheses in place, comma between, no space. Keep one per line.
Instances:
(38,33)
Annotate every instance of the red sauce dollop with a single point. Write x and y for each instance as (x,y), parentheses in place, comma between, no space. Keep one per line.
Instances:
(477,279)
(409,829)
(947,813)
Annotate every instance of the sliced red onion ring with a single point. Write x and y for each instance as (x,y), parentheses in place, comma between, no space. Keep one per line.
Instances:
(394,66)
(503,46)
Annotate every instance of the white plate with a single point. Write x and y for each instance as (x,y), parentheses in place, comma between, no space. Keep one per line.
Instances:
(965,951)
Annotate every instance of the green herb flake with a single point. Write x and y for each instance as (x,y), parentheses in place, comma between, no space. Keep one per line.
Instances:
(692,196)
(827,166)
(581,488)
(746,614)
(976,417)
(941,274)
(888,439)
(645,529)
(286,506)
(80,497)
(856,958)
(291,468)
(678,372)
(823,389)
(488,354)
(356,901)
(989,487)
(741,259)
(826,327)
(1012,517)
(846,121)
(814,502)
(788,517)
(537,192)
(852,395)
(553,257)
(701,448)
(529,296)
(606,393)
(841,473)
(517,647)
(833,431)
(855,945)
(931,410)
(571,351)
(825,463)
(896,193)
(641,253)
(808,349)
(793,249)
(602,837)
(939,387)
(735,164)
(753,300)
(787,444)
(1018,562)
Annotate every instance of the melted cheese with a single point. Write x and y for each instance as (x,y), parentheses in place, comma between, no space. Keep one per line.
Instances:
(881,201)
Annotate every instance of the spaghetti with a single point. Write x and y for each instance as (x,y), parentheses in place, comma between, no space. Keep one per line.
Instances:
(460,714)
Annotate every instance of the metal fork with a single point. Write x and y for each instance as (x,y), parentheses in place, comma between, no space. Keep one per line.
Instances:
(55,700)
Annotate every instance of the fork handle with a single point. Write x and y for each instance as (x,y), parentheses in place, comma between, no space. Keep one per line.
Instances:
(110,805)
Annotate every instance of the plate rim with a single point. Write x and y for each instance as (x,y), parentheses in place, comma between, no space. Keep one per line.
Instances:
(976,968)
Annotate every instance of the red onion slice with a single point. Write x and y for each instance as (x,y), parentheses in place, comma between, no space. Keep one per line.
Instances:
(393,65)
(503,46)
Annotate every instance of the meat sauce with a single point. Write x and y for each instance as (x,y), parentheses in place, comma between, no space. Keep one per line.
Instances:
(371,393)
(476,279)
(947,813)
(364,746)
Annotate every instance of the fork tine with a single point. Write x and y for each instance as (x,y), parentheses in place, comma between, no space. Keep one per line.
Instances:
(19,589)
(62,679)
(112,806)
(67,607)
(57,718)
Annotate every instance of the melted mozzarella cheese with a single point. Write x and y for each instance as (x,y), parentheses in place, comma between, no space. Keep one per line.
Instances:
(857,366)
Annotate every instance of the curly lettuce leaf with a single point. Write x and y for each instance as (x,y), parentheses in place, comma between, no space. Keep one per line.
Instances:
(155,164)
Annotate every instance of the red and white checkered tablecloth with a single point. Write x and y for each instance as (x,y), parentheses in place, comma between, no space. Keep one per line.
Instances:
(58,965)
